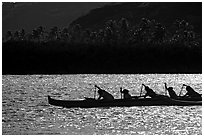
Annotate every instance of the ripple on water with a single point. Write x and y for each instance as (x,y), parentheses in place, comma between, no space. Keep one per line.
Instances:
(25,109)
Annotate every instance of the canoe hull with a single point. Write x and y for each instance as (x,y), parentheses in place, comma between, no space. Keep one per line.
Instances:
(91,103)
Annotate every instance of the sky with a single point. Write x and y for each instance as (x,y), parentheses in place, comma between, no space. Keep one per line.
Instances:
(30,15)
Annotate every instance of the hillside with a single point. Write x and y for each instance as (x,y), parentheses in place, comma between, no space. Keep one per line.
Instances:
(164,12)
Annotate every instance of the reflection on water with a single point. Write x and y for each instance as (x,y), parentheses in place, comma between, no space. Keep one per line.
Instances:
(25,109)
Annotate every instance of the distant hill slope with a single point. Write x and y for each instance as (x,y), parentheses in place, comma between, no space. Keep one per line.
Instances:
(29,15)
(164,12)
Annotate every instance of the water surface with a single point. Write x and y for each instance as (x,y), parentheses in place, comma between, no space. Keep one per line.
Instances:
(25,109)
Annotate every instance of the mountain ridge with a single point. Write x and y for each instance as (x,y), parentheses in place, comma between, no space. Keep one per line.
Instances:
(163,12)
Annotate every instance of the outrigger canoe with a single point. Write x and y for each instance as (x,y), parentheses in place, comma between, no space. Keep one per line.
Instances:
(93,103)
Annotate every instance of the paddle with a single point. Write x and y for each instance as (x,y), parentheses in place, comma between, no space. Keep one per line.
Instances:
(181,90)
(141,90)
(95,92)
(165,88)
(121,93)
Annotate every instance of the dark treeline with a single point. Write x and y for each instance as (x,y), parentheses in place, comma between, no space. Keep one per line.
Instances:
(119,47)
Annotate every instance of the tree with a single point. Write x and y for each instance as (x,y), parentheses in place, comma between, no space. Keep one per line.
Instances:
(124,30)
(41,32)
(76,33)
(65,34)
(9,36)
(22,34)
(184,33)
(16,36)
(158,34)
(111,32)
(53,34)
(86,36)
(35,35)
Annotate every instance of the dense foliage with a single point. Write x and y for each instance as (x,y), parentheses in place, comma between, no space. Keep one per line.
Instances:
(121,47)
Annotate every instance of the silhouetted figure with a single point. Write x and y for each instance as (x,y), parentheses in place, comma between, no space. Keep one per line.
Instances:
(191,92)
(149,92)
(171,92)
(126,94)
(104,94)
